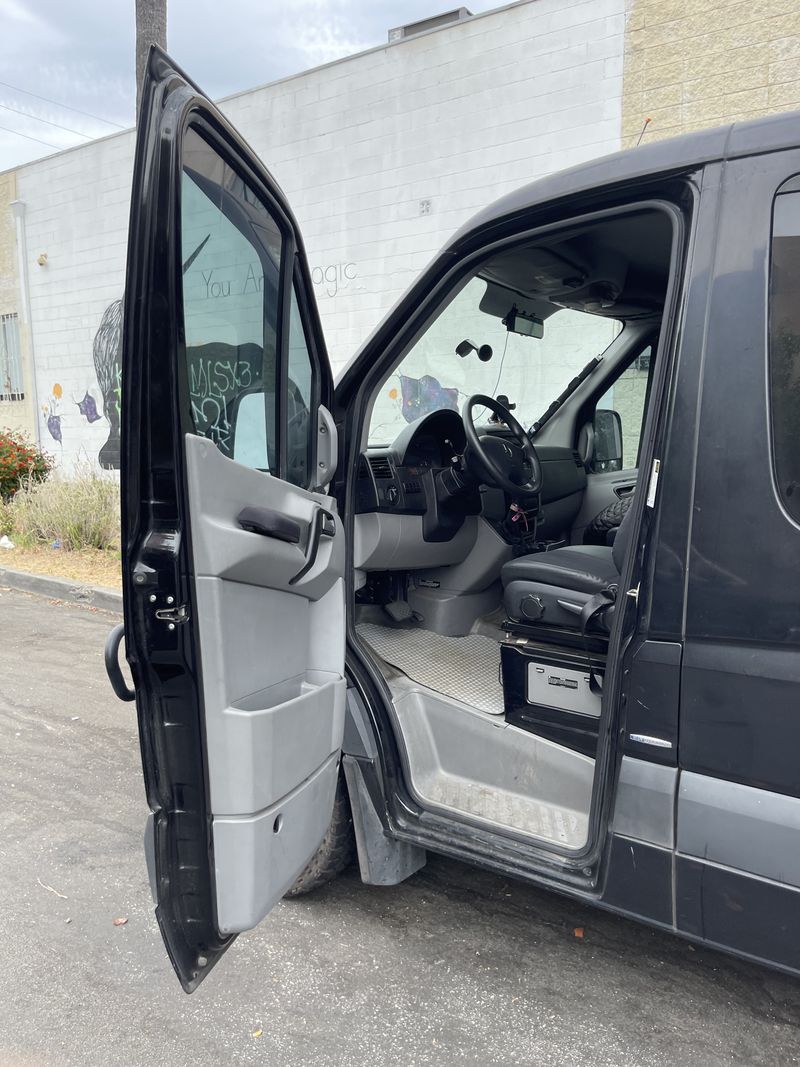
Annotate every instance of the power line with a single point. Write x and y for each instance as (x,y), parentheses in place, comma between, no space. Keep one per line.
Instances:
(67,107)
(38,118)
(20,134)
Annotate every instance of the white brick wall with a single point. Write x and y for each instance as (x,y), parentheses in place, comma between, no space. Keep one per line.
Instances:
(77,212)
(456,117)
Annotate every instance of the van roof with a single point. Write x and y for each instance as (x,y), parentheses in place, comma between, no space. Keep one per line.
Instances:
(770,134)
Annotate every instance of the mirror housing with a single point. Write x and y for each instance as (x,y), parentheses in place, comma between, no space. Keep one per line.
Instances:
(607,451)
(327,448)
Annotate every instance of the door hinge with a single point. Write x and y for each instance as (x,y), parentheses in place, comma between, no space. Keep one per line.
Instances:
(173,616)
(634,594)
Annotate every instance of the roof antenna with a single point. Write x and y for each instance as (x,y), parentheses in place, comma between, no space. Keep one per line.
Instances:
(647,122)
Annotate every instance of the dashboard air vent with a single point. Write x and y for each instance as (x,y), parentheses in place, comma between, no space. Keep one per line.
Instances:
(381,468)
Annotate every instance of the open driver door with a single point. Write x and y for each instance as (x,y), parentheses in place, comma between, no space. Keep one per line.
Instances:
(233,555)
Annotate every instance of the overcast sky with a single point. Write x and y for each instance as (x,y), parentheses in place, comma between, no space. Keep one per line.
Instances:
(81,53)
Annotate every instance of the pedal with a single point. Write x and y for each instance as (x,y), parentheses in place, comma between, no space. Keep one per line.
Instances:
(399,610)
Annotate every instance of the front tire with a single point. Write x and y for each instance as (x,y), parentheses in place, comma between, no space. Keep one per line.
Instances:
(337,851)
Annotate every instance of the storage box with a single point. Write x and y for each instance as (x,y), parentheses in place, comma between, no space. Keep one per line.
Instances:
(547,691)
(562,688)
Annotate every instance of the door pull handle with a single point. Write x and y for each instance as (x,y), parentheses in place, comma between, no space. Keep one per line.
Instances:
(322,525)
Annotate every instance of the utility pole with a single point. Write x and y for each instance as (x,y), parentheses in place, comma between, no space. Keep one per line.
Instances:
(151,28)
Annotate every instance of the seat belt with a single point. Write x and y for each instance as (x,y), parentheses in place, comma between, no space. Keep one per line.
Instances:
(597,604)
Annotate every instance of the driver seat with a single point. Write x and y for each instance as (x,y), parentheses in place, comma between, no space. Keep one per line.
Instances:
(552,588)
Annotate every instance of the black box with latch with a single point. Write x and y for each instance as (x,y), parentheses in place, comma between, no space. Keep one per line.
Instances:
(551,690)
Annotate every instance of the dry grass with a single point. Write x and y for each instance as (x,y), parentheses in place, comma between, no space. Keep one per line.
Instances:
(89,566)
(79,512)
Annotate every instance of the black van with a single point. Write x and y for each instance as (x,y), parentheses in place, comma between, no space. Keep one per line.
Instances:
(563,642)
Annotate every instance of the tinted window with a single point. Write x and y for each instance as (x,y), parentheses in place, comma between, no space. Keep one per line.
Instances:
(231,251)
(784,348)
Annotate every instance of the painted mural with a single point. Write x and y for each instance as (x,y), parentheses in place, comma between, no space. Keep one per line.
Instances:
(51,413)
(54,414)
(107,355)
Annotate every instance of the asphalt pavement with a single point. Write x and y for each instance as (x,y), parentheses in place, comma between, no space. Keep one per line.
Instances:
(455,966)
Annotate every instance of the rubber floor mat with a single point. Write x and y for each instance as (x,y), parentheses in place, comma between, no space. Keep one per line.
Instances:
(466,669)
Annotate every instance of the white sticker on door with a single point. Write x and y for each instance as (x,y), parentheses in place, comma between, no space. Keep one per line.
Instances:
(652,488)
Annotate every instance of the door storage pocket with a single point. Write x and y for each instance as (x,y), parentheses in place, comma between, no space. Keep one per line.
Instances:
(273,739)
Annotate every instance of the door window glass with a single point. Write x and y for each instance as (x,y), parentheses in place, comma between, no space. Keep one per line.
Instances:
(628,398)
(231,253)
(784,348)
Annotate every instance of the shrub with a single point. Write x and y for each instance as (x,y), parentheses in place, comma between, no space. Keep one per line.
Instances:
(20,463)
(80,512)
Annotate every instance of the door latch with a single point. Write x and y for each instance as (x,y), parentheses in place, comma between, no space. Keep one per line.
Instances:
(173,615)
(634,594)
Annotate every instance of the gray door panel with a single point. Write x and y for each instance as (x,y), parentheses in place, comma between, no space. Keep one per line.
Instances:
(257,857)
(272,663)
(218,489)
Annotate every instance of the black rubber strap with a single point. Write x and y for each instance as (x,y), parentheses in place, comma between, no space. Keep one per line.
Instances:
(598,603)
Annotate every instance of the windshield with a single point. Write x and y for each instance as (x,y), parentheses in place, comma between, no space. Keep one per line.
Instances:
(530,371)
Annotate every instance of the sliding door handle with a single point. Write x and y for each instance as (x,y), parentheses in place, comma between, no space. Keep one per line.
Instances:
(322,525)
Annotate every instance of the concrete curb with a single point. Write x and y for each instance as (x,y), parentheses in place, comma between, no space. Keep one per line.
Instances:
(62,589)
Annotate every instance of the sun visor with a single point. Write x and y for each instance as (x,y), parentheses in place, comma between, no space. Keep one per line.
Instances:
(538,271)
(498,301)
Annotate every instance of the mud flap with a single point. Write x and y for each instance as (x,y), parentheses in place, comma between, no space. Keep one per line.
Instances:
(383,860)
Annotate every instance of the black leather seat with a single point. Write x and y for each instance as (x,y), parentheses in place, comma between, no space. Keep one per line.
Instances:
(553,587)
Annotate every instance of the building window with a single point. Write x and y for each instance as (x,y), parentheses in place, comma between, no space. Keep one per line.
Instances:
(11,387)
(784,347)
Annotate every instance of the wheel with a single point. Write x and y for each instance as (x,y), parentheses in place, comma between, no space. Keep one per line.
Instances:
(337,851)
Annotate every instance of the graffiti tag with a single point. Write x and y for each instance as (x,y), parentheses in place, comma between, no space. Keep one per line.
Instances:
(213,384)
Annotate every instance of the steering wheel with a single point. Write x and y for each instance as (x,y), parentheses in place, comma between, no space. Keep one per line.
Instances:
(510,465)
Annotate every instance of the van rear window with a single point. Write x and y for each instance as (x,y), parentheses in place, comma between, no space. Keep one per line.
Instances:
(784,345)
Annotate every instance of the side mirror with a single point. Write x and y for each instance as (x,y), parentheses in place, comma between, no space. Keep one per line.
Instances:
(607,453)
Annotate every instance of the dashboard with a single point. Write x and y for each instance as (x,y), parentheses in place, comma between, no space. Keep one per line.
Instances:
(401,479)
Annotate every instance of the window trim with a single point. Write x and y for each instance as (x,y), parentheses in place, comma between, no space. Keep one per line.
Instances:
(14,358)
(788,187)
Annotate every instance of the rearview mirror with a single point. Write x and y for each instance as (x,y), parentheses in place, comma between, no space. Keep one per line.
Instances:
(521,322)
(607,454)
